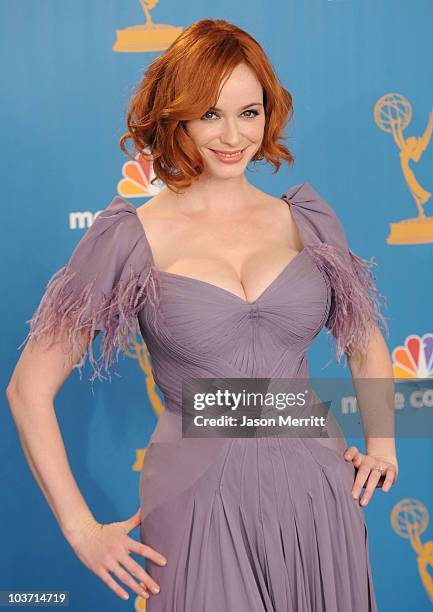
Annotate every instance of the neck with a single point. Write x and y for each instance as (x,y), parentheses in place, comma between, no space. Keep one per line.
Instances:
(216,196)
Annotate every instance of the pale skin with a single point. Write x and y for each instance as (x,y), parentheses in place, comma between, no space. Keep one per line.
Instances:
(379,451)
(222,230)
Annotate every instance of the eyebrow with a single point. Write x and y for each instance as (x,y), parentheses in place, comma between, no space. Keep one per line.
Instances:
(243,108)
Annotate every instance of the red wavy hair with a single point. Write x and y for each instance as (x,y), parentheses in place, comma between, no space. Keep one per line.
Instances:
(183,83)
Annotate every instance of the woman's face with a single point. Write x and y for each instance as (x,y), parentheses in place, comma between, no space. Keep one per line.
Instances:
(236,124)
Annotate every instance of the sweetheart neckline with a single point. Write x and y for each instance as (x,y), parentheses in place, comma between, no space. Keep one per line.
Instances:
(212,285)
(230,293)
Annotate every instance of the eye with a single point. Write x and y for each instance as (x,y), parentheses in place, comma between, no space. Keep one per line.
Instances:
(208,113)
(255,113)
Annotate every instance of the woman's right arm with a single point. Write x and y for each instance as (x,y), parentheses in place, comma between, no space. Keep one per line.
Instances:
(36,380)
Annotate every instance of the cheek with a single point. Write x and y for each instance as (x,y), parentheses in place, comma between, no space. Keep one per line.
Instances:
(255,131)
(201,132)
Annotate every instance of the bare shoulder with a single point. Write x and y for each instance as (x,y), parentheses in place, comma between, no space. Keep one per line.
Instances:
(158,207)
(163,227)
(158,215)
(273,207)
(274,215)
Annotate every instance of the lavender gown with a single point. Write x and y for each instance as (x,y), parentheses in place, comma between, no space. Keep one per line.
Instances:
(247,524)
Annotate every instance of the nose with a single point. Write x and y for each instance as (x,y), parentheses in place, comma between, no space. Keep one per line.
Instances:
(230,133)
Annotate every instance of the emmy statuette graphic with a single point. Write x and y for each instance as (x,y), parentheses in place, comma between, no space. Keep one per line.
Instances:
(409,519)
(148,36)
(393,114)
(138,350)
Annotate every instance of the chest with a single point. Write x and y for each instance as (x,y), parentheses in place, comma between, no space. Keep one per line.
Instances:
(291,310)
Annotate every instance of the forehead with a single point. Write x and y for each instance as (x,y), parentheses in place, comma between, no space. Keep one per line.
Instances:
(240,88)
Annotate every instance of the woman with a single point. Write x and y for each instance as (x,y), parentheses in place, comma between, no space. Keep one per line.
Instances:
(225,282)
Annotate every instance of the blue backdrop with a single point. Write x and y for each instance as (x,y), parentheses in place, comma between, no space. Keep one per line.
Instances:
(360,75)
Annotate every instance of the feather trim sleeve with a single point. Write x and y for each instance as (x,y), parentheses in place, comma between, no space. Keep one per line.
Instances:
(106,282)
(355,302)
(355,299)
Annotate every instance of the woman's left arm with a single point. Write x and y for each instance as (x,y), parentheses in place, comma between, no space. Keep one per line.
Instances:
(376,404)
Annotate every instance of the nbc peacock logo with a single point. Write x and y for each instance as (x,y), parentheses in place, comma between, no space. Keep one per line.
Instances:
(415,358)
(137,179)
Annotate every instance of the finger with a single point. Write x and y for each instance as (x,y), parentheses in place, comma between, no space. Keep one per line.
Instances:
(370,488)
(147,552)
(112,584)
(123,575)
(136,570)
(354,455)
(358,459)
(133,521)
(145,589)
(360,479)
(350,452)
(389,478)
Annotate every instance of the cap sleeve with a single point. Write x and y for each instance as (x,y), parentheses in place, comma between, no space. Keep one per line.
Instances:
(355,299)
(104,285)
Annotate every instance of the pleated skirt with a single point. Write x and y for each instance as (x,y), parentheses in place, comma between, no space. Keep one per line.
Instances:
(269,526)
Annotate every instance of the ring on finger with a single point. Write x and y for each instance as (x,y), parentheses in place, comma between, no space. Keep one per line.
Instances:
(380,469)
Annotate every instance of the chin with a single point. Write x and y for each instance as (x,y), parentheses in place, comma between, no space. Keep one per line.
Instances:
(227,172)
